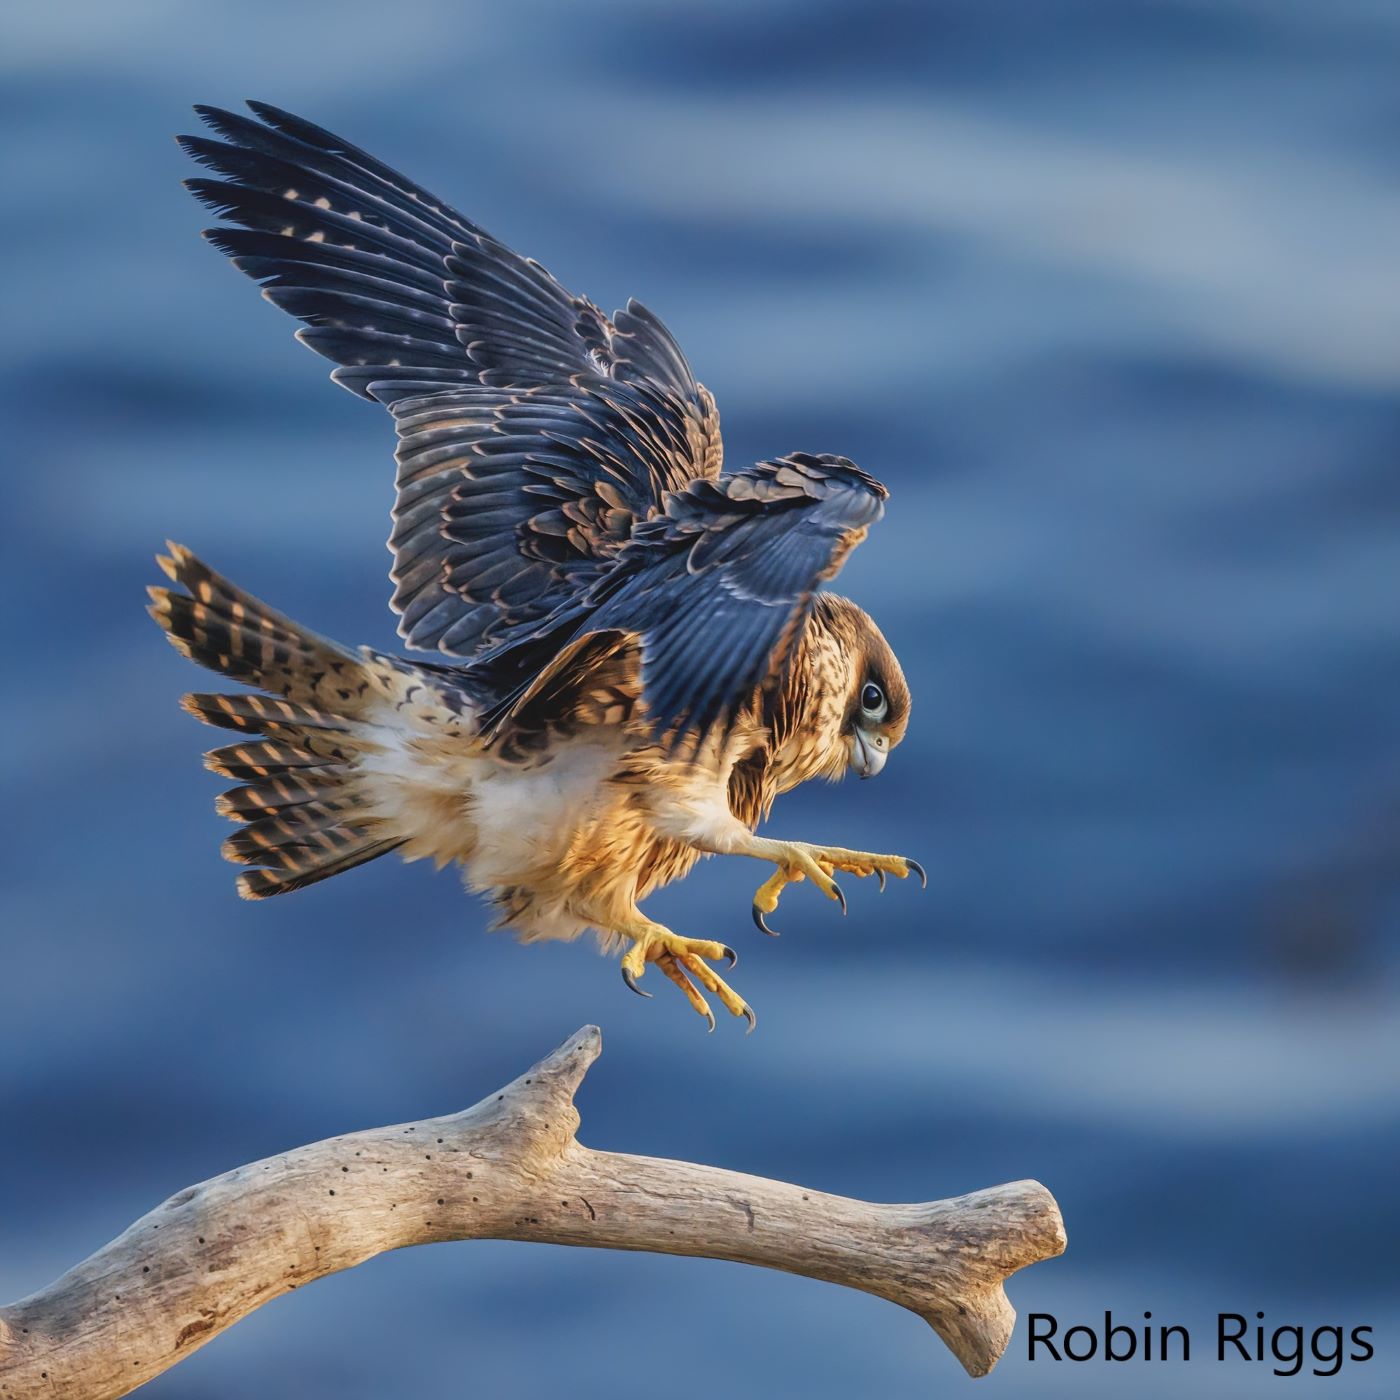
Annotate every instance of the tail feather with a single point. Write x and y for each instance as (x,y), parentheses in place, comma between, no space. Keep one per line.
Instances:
(258,714)
(288,789)
(263,884)
(265,757)
(264,840)
(220,626)
(302,796)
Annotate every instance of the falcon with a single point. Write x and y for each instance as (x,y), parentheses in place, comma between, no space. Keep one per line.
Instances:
(634,654)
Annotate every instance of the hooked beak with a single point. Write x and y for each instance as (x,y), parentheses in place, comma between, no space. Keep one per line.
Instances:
(868,753)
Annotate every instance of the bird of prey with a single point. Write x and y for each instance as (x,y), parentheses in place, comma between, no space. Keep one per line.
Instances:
(634,657)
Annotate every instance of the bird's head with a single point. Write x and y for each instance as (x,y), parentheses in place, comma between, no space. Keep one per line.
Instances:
(870,687)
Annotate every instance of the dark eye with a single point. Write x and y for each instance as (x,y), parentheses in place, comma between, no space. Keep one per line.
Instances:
(872,699)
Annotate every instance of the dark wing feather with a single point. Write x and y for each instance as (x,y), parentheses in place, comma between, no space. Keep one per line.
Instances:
(492,316)
(718,588)
(509,500)
(411,299)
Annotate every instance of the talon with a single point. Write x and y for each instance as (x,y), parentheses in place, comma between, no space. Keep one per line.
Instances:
(839,896)
(763,928)
(918,870)
(751,1019)
(880,875)
(676,957)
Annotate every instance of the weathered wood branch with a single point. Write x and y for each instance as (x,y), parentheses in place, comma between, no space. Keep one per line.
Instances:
(509,1168)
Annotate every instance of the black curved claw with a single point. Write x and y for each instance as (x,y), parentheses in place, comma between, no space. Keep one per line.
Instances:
(751,1019)
(731,958)
(710,1017)
(763,928)
(918,870)
(880,875)
(632,982)
(840,896)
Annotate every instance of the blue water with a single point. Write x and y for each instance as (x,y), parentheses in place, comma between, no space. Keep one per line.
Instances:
(1107,293)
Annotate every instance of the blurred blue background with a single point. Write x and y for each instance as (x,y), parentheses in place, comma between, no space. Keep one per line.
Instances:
(1106,291)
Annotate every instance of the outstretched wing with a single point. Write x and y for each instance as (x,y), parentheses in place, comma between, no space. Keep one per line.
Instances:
(718,587)
(411,299)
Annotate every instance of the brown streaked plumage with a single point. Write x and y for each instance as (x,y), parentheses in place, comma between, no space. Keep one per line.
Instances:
(636,658)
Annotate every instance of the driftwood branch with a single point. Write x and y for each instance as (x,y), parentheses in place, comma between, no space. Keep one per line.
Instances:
(509,1168)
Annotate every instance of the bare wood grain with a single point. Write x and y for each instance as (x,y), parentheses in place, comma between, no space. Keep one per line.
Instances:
(509,1168)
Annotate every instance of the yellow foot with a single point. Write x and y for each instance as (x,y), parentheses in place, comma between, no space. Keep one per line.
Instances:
(677,956)
(797,861)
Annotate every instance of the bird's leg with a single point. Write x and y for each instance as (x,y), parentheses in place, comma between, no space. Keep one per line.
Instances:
(800,860)
(676,957)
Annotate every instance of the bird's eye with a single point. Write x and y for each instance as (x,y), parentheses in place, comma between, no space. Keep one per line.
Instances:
(872,700)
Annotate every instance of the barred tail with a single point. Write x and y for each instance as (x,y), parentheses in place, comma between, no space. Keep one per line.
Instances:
(306,816)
